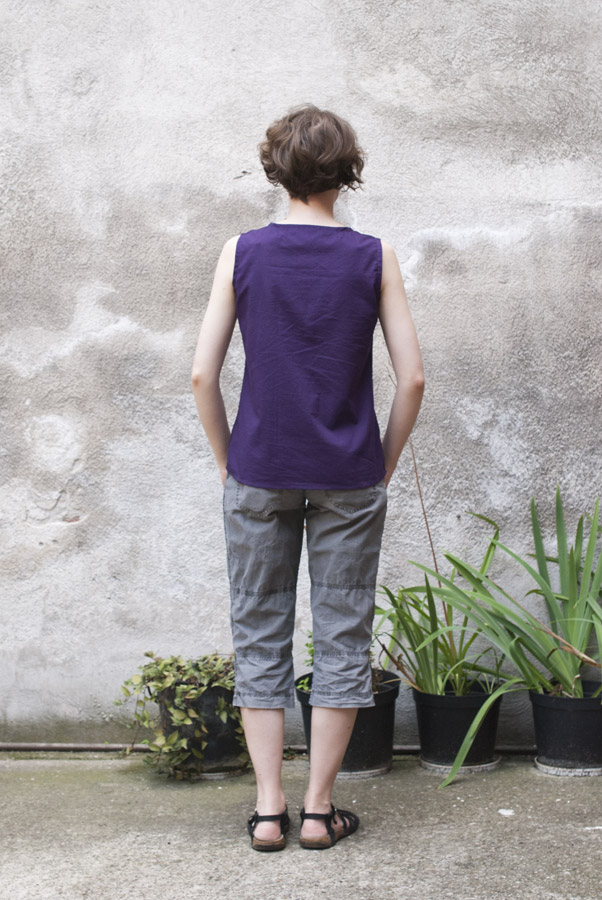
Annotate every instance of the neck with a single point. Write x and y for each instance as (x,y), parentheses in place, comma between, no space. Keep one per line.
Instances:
(319,209)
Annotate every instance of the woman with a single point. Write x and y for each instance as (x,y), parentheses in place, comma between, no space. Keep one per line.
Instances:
(305,454)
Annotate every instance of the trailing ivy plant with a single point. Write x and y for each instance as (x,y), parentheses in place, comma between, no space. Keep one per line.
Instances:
(181,729)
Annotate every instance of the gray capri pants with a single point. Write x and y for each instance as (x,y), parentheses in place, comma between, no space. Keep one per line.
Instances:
(264,535)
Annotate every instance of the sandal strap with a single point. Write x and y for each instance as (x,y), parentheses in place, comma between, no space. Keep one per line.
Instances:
(280,817)
(346,817)
(325,817)
(257,818)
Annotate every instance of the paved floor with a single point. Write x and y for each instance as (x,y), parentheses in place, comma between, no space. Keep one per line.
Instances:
(87,826)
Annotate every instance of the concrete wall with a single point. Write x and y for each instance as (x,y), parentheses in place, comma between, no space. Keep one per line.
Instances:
(129,156)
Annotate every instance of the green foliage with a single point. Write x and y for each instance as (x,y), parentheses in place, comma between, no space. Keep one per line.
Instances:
(549,656)
(176,684)
(436,652)
(309,646)
(433,650)
(304,683)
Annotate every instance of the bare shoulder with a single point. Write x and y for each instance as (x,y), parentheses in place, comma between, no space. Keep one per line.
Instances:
(390,263)
(225,264)
(229,248)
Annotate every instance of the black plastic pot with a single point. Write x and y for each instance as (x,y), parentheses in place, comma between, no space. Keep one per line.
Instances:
(443,721)
(223,751)
(568,730)
(370,748)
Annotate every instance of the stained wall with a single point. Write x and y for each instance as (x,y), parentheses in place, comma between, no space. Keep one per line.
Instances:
(129,156)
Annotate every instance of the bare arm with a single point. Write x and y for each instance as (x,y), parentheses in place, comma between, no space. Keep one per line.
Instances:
(214,339)
(402,344)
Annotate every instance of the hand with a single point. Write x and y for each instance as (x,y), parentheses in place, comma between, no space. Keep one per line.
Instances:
(223,473)
(389,469)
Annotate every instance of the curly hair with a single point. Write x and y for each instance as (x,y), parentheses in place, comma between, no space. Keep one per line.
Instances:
(311,150)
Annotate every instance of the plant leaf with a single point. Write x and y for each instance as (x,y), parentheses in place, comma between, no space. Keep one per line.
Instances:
(513,685)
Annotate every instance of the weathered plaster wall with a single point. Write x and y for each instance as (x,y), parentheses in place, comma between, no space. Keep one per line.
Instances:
(129,135)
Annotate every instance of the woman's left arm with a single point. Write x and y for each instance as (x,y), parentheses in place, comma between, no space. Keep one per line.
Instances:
(214,340)
(404,350)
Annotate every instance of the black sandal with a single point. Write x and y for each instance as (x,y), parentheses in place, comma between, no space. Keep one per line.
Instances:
(268,846)
(350,824)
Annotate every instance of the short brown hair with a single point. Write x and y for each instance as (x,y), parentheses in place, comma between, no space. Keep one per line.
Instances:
(311,150)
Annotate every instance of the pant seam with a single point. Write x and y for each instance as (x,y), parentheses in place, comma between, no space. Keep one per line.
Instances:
(242,654)
(339,584)
(264,593)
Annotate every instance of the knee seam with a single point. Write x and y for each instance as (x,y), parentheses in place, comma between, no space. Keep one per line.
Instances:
(284,589)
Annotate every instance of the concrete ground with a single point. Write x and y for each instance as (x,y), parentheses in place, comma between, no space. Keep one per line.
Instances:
(100,827)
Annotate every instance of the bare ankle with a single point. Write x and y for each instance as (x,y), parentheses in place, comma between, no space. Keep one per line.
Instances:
(317,803)
(270,802)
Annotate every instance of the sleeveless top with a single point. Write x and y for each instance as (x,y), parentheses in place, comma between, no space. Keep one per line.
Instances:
(307,304)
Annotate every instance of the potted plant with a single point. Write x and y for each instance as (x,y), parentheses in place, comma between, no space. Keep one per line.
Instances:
(452,676)
(552,657)
(198,732)
(370,748)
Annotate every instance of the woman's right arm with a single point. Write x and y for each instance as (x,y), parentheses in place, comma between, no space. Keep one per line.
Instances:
(404,350)
(214,339)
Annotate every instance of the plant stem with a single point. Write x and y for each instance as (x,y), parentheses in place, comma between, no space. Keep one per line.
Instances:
(446,611)
(424,515)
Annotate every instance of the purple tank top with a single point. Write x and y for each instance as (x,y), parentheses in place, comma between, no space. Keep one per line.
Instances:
(307,303)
